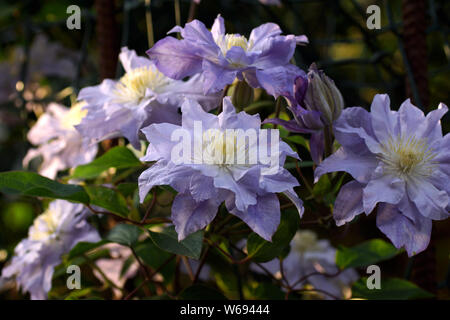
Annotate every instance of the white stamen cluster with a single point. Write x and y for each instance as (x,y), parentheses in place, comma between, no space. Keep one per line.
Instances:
(408,158)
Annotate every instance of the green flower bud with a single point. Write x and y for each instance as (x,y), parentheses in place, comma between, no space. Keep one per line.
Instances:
(242,95)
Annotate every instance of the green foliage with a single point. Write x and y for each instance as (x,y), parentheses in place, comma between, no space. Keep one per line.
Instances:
(364,254)
(83,247)
(261,250)
(391,289)
(32,184)
(155,257)
(124,234)
(107,198)
(117,157)
(167,240)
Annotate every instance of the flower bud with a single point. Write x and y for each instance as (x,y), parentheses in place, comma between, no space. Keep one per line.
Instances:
(242,95)
(322,95)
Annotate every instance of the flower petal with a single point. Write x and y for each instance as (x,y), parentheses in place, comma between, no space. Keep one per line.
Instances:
(360,167)
(430,201)
(216,77)
(382,188)
(263,217)
(384,121)
(190,216)
(413,236)
(175,58)
(349,203)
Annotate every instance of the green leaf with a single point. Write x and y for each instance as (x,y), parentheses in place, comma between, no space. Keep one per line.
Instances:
(154,257)
(364,254)
(391,289)
(261,250)
(167,240)
(127,188)
(124,234)
(117,157)
(200,292)
(83,247)
(107,198)
(31,184)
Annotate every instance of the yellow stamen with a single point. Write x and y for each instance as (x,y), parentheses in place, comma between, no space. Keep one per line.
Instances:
(132,86)
(74,116)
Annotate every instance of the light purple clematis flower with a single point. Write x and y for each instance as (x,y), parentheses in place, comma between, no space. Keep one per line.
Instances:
(60,145)
(315,103)
(262,60)
(54,233)
(203,185)
(312,261)
(141,97)
(399,159)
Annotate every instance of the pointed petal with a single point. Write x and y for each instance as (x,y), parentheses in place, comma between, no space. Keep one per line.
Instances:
(382,188)
(263,217)
(414,237)
(349,203)
(190,216)
(361,168)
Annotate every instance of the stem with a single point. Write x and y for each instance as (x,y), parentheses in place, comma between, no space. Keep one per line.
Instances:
(177,15)
(192,11)
(188,267)
(328,141)
(327,275)
(132,293)
(149,209)
(277,110)
(202,263)
(305,181)
(149,22)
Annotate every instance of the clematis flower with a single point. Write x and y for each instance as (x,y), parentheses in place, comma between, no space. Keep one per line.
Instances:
(262,60)
(312,261)
(399,160)
(59,144)
(315,103)
(141,97)
(54,233)
(207,177)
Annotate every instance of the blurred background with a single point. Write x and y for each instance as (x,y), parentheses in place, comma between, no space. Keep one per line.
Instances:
(42,61)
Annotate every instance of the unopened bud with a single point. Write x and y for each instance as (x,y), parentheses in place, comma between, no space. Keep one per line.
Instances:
(322,95)
(242,95)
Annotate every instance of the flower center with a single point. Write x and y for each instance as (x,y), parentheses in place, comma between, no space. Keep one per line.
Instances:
(44,226)
(74,116)
(218,148)
(132,86)
(408,157)
(305,240)
(228,41)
